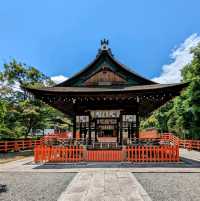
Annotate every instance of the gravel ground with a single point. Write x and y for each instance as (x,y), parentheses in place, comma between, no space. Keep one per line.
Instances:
(171,186)
(34,186)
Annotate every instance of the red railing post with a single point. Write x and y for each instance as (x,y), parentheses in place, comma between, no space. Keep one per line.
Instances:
(6,146)
(150,153)
(15,146)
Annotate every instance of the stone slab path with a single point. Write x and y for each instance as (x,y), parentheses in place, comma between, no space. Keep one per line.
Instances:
(104,186)
(192,155)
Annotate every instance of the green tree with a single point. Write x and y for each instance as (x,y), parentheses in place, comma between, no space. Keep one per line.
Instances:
(20,114)
(191,97)
(182,115)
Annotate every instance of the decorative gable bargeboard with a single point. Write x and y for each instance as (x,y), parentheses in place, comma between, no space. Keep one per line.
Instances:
(105,77)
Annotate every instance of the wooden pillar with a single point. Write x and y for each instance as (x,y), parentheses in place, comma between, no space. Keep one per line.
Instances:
(85,133)
(132,130)
(81,130)
(74,126)
(89,131)
(74,119)
(137,125)
(95,130)
(137,118)
(121,131)
(129,131)
(117,130)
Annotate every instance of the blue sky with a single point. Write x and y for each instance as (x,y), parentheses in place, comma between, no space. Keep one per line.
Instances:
(60,37)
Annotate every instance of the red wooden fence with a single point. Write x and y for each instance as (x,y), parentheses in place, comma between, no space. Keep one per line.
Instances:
(18,145)
(60,136)
(170,137)
(58,154)
(104,155)
(153,153)
(164,153)
(188,144)
(6,146)
(150,134)
(52,136)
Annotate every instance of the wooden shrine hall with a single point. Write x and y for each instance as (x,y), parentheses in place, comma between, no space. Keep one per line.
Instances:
(106,99)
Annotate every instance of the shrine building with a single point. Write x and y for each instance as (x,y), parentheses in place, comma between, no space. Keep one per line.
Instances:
(106,99)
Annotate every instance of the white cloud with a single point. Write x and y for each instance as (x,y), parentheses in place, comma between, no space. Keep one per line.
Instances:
(171,73)
(59,78)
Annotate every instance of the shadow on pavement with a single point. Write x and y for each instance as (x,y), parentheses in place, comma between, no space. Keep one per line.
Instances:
(184,163)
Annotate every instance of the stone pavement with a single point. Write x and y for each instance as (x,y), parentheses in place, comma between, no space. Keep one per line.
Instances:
(104,186)
(192,155)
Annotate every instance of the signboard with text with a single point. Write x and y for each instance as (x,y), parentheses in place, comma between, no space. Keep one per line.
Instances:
(105,113)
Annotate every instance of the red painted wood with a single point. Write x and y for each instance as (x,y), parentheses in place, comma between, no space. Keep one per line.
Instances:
(104,155)
(58,154)
(17,145)
(153,153)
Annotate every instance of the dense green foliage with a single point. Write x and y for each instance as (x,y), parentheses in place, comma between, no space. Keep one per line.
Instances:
(19,114)
(182,115)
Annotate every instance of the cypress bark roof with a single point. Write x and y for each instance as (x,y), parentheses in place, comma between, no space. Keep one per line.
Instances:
(106,57)
(137,88)
(124,89)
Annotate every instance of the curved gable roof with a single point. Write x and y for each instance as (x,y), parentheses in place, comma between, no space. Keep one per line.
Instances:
(105,56)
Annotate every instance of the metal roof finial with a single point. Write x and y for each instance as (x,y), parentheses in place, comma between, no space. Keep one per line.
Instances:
(104,44)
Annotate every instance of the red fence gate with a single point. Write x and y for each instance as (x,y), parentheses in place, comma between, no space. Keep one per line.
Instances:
(104,155)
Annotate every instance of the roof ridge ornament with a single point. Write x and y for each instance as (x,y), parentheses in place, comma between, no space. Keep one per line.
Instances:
(104,47)
(104,44)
